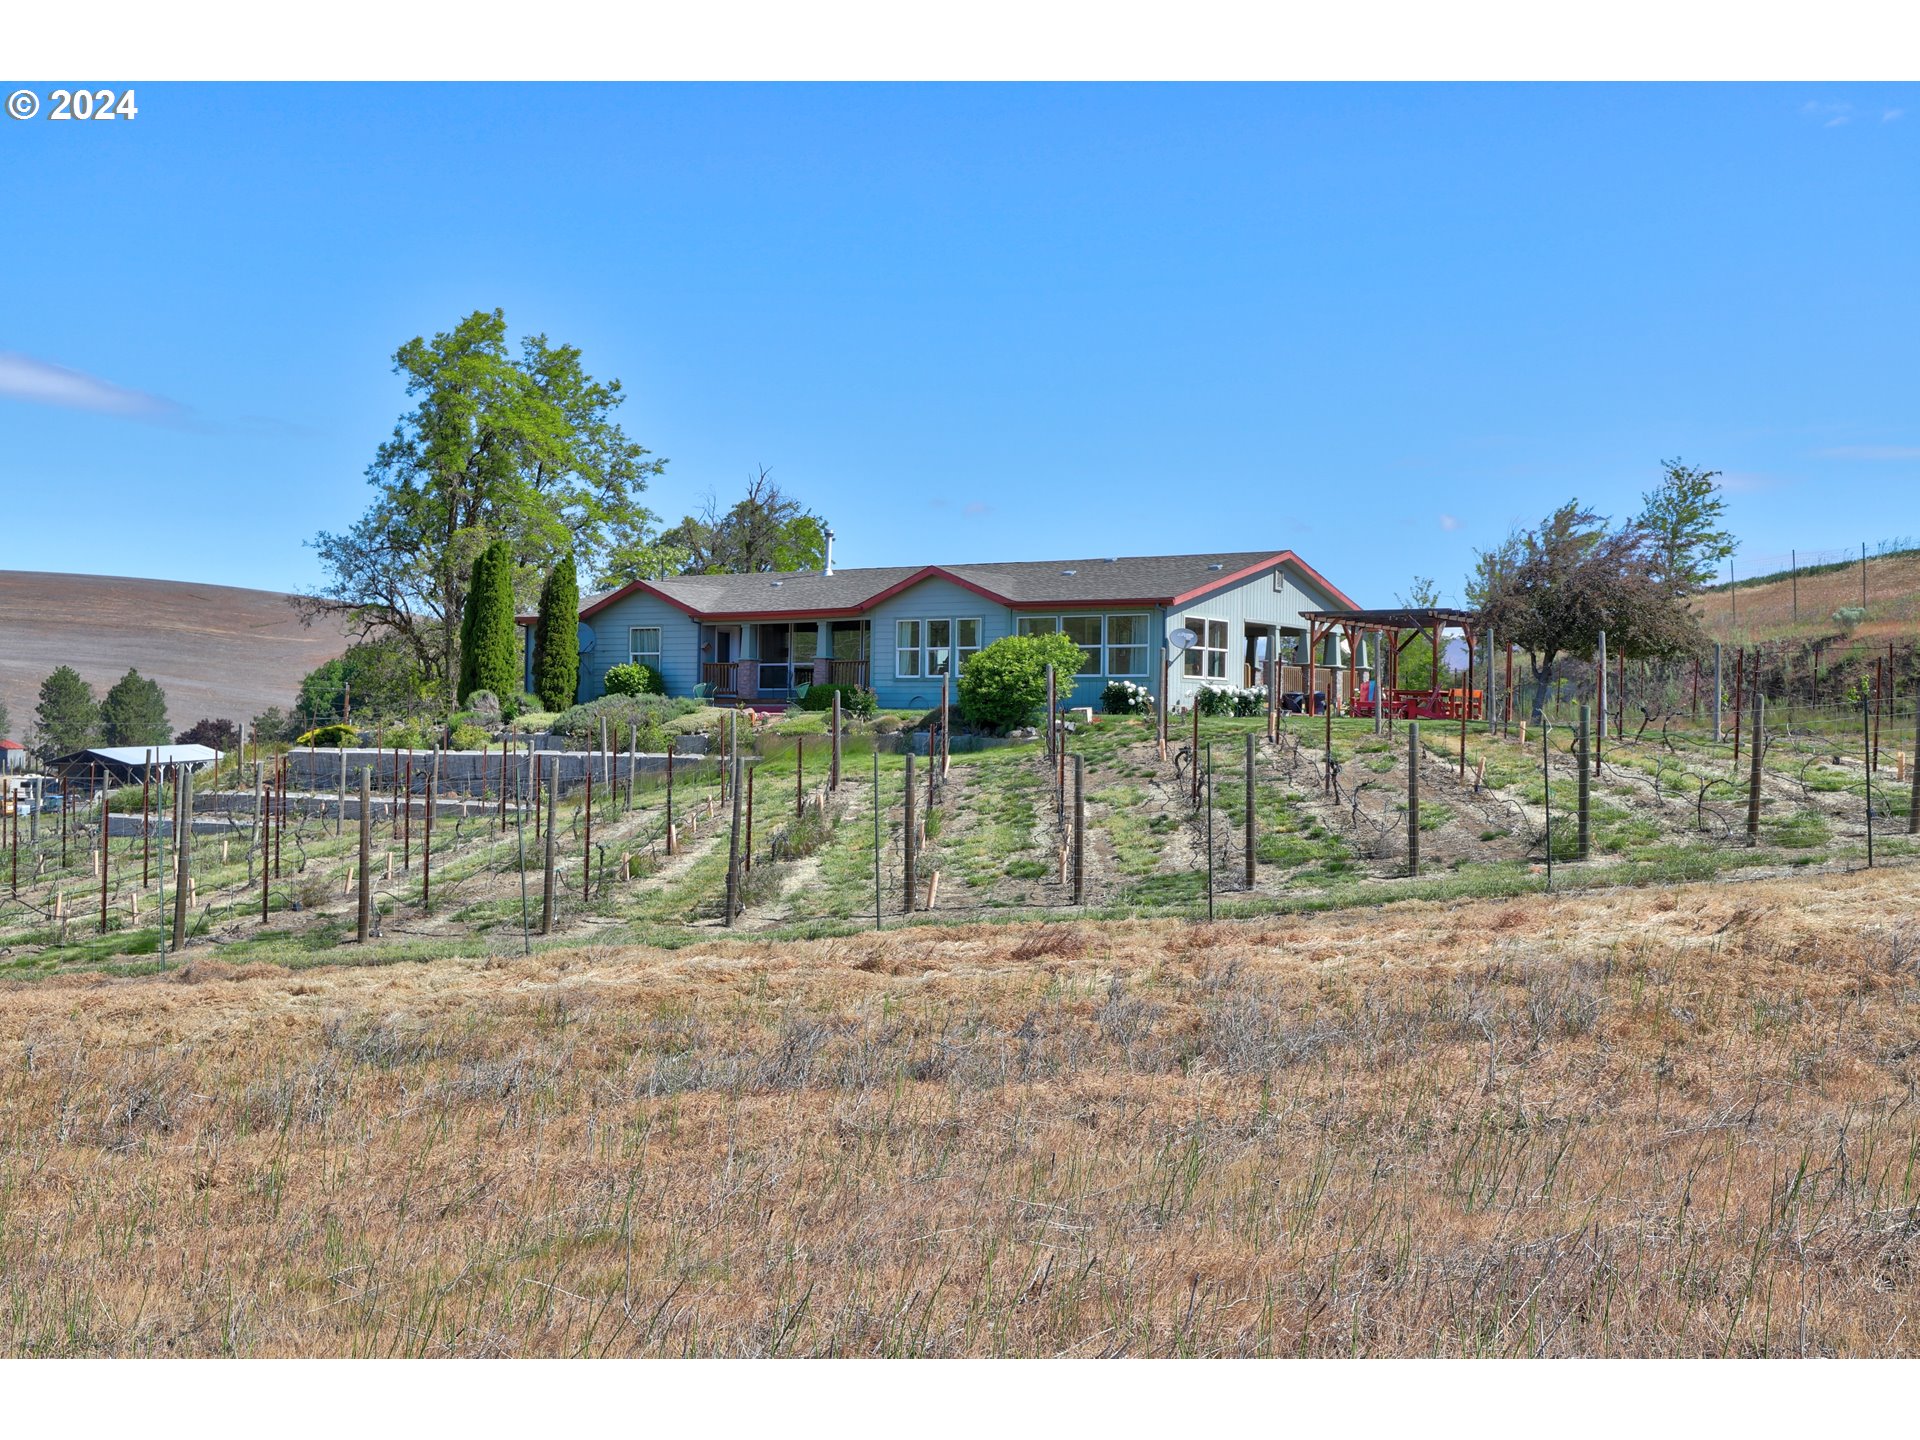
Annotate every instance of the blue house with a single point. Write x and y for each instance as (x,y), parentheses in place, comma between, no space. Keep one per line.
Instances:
(753,639)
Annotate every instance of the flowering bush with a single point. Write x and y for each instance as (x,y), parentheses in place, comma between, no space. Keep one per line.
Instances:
(1123,697)
(1238,700)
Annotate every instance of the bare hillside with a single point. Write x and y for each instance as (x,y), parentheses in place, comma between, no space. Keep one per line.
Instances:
(1768,610)
(215,649)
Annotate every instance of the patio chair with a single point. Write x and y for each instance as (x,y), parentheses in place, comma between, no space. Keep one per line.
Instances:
(703,692)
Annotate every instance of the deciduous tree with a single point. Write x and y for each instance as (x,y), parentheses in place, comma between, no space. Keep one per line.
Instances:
(521,448)
(1553,589)
(766,529)
(1681,516)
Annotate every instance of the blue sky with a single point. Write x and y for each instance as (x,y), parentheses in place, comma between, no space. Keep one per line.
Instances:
(1378,324)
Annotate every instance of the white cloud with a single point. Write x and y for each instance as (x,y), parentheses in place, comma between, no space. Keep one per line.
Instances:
(1827,114)
(1449,522)
(1888,116)
(1872,452)
(24,378)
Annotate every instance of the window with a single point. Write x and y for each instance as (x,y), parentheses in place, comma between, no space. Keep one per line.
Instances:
(1208,655)
(939,646)
(967,640)
(1085,631)
(906,649)
(643,646)
(1126,644)
(1038,624)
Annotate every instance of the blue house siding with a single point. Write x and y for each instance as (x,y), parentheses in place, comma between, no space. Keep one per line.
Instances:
(1247,608)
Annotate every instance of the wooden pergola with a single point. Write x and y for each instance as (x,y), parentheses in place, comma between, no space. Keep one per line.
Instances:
(1391,632)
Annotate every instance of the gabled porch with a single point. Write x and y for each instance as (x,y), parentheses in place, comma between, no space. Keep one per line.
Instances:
(772,662)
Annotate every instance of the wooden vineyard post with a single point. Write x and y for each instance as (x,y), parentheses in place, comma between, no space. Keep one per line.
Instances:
(1866,755)
(340,814)
(1209,830)
(586,844)
(406,832)
(182,856)
(1755,743)
(1273,687)
(1582,741)
(363,907)
(946,719)
(879,910)
(1160,700)
(1247,841)
(673,843)
(547,856)
(799,776)
(1413,797)
(1466,706)
(1717,691)
(909,841)
(426,846)
(1880,673)
(146,822)
(733,848)
(746,845)
(1052,707)
(106,851)
(1080,829)
(833,751)
(633,761)
(264,830)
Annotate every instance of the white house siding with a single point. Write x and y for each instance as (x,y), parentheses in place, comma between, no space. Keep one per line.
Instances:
(1254,600)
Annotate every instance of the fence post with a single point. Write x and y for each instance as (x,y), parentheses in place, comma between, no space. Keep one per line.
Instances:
(673,844)
(833,769)
(1546,793)
(910,847)
(1079,829)
(1913,768)
(1756,742)
(1598,738)
(1250,827)
(182,854)
(547,857)
(799,776)
(1413,797)
(364,906)
(263,829)
(1866,753)
(733,845)
(746,848)
(879,912)
(1160,700)
(1209,830)
(1716,692)
(426,845)
(586,843)
(1584,741)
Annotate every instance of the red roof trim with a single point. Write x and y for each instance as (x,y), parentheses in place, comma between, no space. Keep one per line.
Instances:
(937,572)
(1285,557)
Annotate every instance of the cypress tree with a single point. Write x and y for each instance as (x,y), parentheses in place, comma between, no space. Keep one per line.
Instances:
(489,648)
(556,638)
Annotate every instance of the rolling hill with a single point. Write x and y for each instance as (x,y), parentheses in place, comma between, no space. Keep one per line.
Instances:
(216,650)
(1772,607)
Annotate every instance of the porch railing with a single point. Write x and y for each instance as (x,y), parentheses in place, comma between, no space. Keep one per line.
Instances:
(723,676)
(847,672)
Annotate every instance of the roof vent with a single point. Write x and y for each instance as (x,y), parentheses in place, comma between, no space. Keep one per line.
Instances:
(1112,560)
(1069,572)
(1216,566)
(776,584)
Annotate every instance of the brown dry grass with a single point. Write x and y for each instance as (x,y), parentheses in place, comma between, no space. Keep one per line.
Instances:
(1643,1122)
(1766,612)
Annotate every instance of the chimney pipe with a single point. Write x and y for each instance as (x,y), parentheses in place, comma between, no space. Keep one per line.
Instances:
(829,569)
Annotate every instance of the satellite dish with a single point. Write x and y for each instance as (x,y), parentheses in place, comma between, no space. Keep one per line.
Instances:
(1183,639)
(586,638)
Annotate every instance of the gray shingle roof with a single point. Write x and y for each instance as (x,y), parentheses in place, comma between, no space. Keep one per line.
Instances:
(1019,582)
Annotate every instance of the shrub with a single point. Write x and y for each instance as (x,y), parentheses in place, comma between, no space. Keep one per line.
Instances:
(408,737)
(855,700)
(579,726)
(467,737)
(1848,618)
(1230,700)
(1005,685)
(1123,697)
(533,721)
(331,737)
(633,678)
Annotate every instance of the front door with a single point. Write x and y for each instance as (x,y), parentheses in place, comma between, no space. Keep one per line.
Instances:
(776,655)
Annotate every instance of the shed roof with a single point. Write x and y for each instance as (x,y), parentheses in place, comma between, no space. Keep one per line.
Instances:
(1401,618)
(1028,584)
(136,755)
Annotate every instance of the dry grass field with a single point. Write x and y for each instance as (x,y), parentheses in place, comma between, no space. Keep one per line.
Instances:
(1767,612)
(1646,1122)
(216,650)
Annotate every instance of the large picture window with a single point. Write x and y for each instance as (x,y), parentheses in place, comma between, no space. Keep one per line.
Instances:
(643,646)
(1111,644)
(966,640)
(1207,658)
(906,649)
